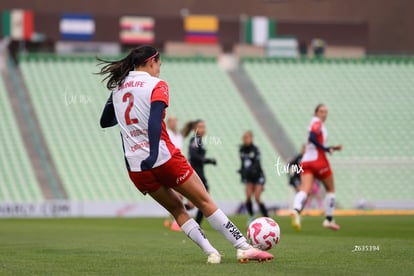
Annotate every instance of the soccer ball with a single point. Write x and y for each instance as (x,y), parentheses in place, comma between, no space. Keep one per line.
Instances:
(263,233)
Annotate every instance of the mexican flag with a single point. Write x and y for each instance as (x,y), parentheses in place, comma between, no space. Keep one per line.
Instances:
(18,24)
(258,30)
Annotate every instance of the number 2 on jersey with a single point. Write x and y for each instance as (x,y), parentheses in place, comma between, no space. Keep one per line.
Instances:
(129,97)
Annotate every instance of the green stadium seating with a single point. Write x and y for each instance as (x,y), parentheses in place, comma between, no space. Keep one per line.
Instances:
(209,94)
(68,101)
(369,102)
(17,179)
(370,112)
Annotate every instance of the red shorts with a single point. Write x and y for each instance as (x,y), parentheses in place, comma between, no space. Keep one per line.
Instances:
(320,168)
(171,174)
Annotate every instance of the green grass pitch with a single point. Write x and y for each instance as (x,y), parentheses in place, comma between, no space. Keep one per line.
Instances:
(143,246)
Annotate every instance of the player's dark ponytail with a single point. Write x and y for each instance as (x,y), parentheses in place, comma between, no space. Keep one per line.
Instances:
(118,70)
(189,126)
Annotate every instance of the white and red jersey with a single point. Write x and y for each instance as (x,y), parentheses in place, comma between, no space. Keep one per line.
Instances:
(313,153)
(132,103)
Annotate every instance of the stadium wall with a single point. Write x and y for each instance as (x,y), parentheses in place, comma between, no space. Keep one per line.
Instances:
(382,26)
(71,208)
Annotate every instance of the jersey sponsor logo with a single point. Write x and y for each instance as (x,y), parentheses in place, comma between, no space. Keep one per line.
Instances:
(234,230)
(137,132)
(131,83)
(144,144)
(182,177)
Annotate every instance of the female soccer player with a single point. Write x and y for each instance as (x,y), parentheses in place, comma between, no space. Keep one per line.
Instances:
(197,154)
(252,174)
(137,103)
(315,165)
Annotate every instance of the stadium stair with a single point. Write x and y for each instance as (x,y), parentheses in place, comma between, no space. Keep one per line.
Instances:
(18,181)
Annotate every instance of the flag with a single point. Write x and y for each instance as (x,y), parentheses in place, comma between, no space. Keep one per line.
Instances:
(18,24)
(258,30)
(136,30)
(77,26)
(201,29)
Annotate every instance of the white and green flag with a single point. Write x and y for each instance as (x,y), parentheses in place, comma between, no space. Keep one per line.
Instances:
(259,29)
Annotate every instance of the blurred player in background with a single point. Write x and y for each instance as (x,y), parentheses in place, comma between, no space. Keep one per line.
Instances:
(175,135)
(294,181)
(315,164)
(177,139)
(138,104)
(252,175)
(294,175)
(294,172)
(197,154)
(315,196)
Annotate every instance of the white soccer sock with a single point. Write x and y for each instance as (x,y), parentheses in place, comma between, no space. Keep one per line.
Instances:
(194,232)
(299,200)
(329,204)
(219,221)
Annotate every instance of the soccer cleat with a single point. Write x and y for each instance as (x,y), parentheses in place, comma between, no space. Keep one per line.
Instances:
(331,225)
(214,258)
(295,220)
(253,254)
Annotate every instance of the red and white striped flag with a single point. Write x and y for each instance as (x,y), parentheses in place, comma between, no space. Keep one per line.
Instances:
(136,30)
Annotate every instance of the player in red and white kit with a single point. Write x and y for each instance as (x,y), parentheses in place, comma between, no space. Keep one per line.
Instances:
(315,164)
(156,167)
